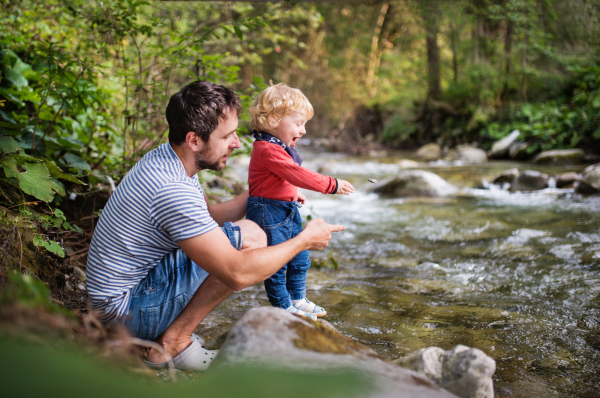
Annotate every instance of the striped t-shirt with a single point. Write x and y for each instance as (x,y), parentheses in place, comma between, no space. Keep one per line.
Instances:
(156,205)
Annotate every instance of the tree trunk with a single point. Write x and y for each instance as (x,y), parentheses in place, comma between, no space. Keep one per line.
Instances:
(433,55)
(524,59)
(374,58)
(453,40)
(507,51)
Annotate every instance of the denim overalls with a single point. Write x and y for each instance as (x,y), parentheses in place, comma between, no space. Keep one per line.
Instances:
(281,222)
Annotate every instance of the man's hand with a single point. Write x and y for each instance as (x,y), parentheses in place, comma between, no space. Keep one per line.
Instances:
(344,188)
(301,198)
(317,233)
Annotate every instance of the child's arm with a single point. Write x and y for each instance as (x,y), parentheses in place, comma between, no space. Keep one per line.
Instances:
(281,164)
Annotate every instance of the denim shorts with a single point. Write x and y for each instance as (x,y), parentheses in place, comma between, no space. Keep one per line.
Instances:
(161,296)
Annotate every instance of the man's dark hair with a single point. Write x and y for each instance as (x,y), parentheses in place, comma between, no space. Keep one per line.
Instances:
(198,107)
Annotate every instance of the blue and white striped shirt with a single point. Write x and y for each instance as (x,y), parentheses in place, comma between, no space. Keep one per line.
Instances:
(156,205)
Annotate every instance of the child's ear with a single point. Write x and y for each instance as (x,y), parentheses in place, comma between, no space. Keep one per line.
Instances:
(272,121)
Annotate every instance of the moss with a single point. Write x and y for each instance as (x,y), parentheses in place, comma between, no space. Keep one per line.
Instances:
(319,338)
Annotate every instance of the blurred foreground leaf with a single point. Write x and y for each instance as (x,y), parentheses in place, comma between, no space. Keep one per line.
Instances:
(34,370)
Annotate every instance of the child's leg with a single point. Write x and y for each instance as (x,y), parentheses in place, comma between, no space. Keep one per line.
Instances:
(297,270)
(276,290)
(296,275)
(275,220)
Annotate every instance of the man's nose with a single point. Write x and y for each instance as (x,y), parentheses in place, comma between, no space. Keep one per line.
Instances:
(235,143)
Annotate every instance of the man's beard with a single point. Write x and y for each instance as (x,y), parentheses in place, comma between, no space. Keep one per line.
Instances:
(202,164)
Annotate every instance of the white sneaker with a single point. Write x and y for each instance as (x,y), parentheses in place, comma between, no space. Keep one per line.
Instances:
(305,314)
(192,358)
(310,307)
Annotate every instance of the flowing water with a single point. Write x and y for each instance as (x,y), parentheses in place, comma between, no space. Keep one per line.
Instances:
(515,275)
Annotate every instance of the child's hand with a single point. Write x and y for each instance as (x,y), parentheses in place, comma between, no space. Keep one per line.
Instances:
(344,188)
(301,198)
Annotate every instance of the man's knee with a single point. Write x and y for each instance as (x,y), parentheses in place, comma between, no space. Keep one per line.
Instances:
(254,236)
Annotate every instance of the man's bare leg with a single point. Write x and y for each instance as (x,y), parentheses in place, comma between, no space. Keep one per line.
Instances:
(209,295)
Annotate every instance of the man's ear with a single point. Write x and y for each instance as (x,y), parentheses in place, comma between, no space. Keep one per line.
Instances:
(193,141)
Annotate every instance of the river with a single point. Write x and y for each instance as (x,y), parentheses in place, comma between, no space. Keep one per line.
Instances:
(516,275)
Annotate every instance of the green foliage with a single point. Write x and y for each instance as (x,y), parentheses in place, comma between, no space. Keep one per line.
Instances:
(565,123)
(27,291)
(60,370)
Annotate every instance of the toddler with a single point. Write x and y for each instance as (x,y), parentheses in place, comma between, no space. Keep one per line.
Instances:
(279,116)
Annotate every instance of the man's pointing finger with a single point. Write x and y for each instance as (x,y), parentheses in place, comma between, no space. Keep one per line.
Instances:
(336,228)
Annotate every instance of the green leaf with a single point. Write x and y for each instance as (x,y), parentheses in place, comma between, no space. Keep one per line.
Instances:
(36,181)
(56,172)
(10,167)
(76,162)
(38,240)
(54,248)
(9,145)
(16,78)
(58,187)
(238,32)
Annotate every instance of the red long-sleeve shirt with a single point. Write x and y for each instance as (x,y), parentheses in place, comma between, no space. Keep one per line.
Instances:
(274,175)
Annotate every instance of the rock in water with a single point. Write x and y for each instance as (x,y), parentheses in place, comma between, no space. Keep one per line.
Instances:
(590,180)
(567,180)
(471,155)
(415,183)
(560,156)
(465,371)
(500,148)
(273,337)
(430,151)
(507,176)
(518,151)
(530,180)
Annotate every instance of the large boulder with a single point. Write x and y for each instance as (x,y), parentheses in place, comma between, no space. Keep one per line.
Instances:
(272,337)
(415,183)
(590,180)
(507,176)
(471,155)
(500,148)
(430,152)
(465,371)
(530,180)
(560,156)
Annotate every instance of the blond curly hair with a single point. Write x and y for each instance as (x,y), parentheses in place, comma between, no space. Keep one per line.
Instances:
(276,101)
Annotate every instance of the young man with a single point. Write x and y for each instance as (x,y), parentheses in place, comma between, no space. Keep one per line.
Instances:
(158,261)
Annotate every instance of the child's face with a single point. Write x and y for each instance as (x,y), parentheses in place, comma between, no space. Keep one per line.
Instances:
(291,128)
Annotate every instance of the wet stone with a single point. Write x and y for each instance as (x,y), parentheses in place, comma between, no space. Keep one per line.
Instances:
(507,176)
(560,156)
(430,152)
(518,151)
(567,180)
(471,155)
(530,180)
(590,180)
(500,147)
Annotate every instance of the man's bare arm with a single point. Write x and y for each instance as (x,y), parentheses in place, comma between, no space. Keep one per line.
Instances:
(232,210)
(239,269)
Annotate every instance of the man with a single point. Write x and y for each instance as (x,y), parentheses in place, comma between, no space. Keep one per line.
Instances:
(158,261)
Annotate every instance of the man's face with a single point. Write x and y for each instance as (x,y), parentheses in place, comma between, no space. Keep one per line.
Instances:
(223,140)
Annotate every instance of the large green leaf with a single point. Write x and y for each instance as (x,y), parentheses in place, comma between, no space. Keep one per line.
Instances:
(56,172)
(58,187)
(76,162)
(9,145)
(36,181)
(10,167)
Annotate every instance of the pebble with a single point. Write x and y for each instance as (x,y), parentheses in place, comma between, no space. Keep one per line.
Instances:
(374,181)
